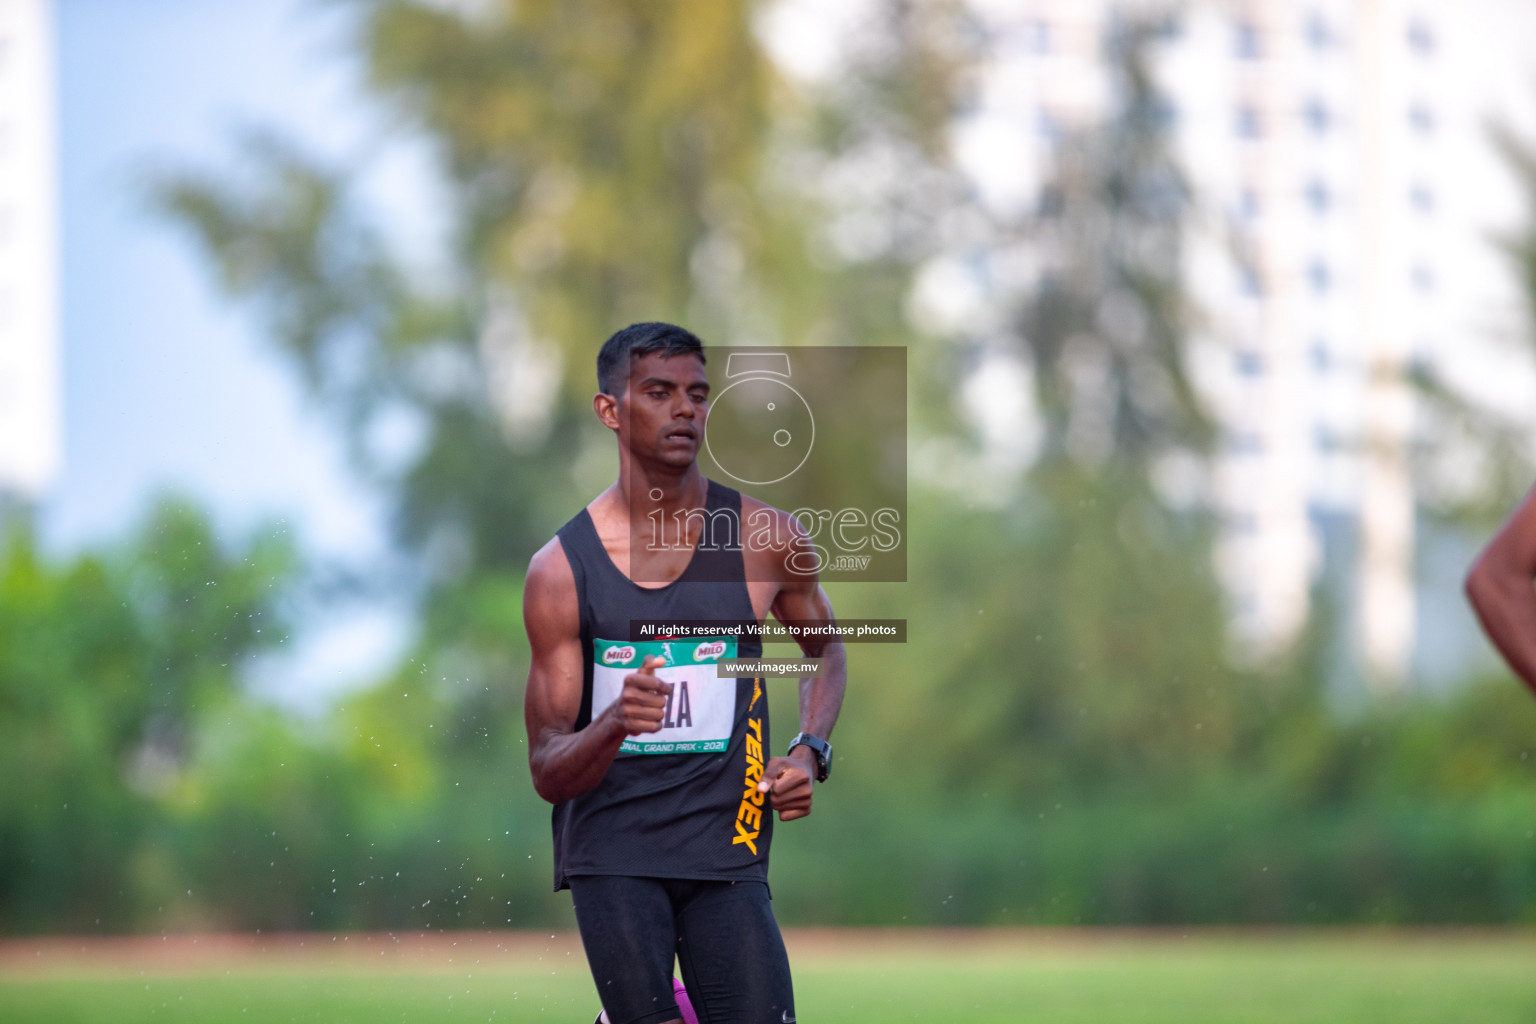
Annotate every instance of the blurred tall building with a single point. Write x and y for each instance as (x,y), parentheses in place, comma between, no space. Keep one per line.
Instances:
(29,316)
(1346,184)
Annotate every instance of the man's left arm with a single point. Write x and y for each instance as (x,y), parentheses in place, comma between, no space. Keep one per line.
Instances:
(788,780)
(1500,589)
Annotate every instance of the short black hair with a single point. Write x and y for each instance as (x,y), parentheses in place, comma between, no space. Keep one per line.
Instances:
(620,351)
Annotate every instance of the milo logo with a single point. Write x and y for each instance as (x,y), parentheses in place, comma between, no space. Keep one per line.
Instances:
(619,655)
(713,650)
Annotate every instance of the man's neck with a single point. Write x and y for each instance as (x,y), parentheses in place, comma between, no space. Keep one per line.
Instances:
(638,494)
(655,514)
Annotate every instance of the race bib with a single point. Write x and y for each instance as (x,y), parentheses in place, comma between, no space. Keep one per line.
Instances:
(702,708)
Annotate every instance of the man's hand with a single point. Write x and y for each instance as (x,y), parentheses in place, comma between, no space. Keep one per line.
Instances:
(787,781)
(643,701)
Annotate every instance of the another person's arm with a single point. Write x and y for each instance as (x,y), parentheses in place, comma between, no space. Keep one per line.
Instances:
(1502,589)
(567,762)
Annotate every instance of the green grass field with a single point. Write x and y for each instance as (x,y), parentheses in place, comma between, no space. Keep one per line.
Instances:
(1355,977)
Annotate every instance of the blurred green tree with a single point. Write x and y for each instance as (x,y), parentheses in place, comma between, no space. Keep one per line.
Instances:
(1097,657)
(1062,737)
(1107,328)
(1472,456)
(107,664)
(603,162)
(607,162)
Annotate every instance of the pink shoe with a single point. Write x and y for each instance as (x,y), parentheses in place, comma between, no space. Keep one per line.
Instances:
(684,1003)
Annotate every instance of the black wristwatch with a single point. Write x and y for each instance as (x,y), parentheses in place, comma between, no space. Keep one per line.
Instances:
(820,747)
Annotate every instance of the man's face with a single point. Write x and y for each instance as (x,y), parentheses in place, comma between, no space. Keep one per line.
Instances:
(665,408)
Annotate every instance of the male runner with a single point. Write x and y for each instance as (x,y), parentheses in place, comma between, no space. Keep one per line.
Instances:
(659,772)
(1500,587)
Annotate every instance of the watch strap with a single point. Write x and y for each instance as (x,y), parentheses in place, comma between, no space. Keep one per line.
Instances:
(820,747)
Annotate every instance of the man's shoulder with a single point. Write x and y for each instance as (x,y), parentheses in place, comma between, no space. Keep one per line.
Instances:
(549,566)
(777,530)
(775,544)
(550,599)
(749,505)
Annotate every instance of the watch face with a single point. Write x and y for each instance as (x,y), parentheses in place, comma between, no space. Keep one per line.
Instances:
(760,430)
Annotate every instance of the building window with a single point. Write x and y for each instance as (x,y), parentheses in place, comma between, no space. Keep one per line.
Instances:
(1422,198)
(1037,36)
(1327,440)
(1051,201)
(1246,442)
(1319,36)
(1321,361)
(1248,124)
(1249,281)
(1249,363)
(1244,522)
(1422,277)
(1318,196)
(1421,39)
(1421,119)
(1318,276)
(1046,125)
(1248,204)
(1246,40)
(1316,115)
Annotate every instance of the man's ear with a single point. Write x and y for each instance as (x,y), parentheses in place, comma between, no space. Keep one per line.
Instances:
(607,408)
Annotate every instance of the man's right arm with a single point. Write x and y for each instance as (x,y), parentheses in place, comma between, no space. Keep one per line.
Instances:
(1502,589)
(567,762)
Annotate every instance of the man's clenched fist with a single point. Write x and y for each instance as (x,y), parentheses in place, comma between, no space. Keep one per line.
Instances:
(643,701)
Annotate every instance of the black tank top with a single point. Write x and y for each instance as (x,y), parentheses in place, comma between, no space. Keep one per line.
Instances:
(680,803)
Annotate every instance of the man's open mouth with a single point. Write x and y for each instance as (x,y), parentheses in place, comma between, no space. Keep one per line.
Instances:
(681,434)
